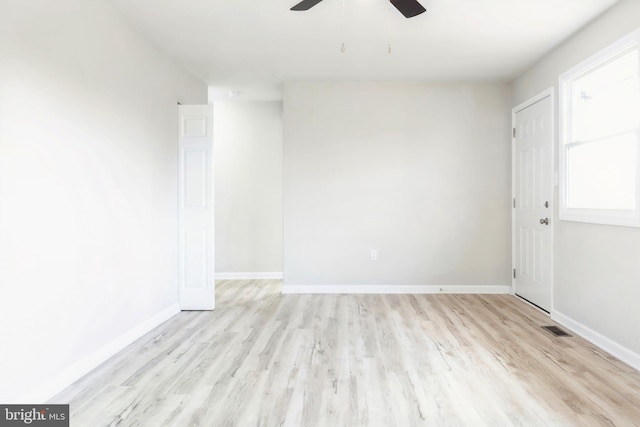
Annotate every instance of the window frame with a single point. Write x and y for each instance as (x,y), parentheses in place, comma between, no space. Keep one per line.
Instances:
(620,217)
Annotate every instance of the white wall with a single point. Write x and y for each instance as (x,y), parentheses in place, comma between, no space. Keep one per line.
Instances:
(597,268)
(248,187)
(87,188)
(420,172)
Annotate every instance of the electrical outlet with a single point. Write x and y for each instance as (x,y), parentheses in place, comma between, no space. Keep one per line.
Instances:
(374,255)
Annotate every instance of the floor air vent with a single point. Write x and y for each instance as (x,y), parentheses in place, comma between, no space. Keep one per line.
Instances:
(556,331)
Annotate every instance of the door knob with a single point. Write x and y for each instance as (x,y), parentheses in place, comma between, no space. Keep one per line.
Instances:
(544,221)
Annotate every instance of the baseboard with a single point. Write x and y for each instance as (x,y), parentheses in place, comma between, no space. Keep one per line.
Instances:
(394,289)
(628,356)
(49,388)
(249,276)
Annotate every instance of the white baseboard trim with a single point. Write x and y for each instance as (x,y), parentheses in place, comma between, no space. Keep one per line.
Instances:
(394,289)
(68,376)
(249,276)
(628,356)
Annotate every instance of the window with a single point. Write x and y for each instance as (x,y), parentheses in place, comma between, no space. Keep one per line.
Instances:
(600,137)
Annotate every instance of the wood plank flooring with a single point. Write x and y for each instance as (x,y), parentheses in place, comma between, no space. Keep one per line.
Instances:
(266,359)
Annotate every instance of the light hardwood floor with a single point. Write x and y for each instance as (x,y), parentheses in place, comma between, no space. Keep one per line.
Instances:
(266,359)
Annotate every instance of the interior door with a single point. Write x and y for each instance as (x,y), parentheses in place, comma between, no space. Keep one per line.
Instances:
(195,210)
(533,190)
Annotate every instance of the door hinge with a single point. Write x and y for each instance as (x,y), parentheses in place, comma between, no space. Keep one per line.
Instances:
(514,273)
(514,132)
(514,202)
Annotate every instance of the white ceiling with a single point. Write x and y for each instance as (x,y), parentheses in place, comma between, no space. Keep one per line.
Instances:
(252,46)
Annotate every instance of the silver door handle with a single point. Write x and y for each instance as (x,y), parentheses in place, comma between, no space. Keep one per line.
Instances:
(544,221)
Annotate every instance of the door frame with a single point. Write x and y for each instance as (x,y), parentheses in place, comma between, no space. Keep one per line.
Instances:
(548,93)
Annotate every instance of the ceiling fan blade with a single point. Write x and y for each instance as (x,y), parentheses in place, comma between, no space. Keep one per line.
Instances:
(305,4)
(409,8)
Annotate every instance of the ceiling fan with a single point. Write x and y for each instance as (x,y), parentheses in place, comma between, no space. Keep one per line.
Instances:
(409,8)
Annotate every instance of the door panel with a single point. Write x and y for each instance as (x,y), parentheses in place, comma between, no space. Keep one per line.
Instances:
(195,223)
(533,197)
(196,243)
(195,175)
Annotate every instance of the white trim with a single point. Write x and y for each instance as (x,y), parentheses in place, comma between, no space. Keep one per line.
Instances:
(626,355)
(548,93)
(395,289)
(529,102)
(249,276)
(57,383)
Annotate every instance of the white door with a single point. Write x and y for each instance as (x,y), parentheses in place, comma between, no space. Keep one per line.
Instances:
(195,210)
(533,191)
